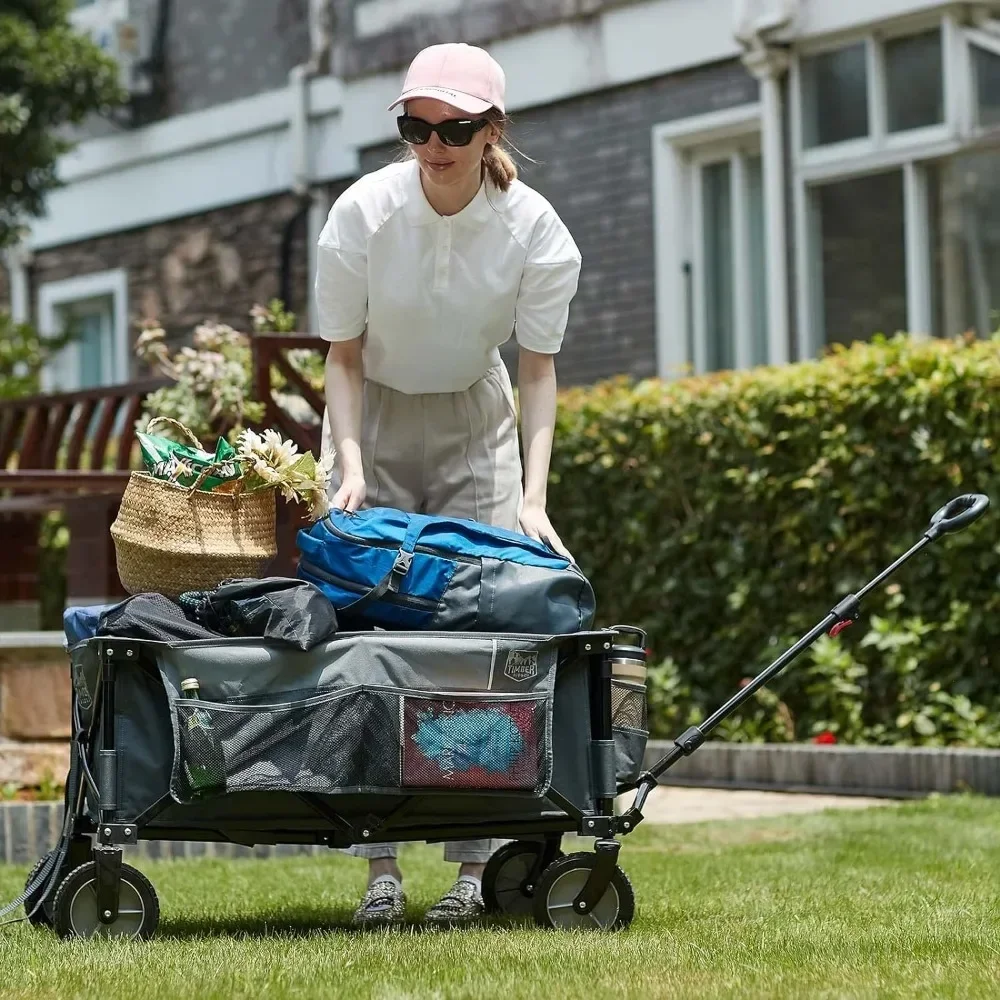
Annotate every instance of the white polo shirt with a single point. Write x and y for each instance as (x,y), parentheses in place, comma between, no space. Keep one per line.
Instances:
(437,295)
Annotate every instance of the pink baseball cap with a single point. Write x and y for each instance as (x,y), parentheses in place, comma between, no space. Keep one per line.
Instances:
(462,75)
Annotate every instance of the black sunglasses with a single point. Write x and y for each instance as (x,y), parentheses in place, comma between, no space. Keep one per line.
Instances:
(454,132)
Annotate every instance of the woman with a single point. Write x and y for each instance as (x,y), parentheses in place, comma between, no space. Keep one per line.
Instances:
(424,269)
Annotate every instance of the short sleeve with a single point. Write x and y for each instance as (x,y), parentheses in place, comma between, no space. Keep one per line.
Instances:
(342,274)
(549,282)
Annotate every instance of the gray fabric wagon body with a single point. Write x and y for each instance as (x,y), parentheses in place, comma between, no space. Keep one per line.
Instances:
(366,728)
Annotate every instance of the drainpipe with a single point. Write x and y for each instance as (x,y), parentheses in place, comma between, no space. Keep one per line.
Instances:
(768,64)
(298,136)
(18,261)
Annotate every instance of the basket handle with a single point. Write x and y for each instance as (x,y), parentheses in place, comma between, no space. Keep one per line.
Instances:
(207,471)
(175,423)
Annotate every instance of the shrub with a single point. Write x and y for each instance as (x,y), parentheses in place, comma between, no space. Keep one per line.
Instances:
(23,354)
(213,383)
(727,514)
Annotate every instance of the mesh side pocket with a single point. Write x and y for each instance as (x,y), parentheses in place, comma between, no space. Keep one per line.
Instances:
(328,743)
(628,706)
(474,743)
(630,723)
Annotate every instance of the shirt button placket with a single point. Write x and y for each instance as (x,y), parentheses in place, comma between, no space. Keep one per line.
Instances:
(443,262)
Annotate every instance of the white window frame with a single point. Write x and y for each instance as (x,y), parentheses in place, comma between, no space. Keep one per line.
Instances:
(990,41)
(678,235)
(910,151)
(880,144)
(56,296)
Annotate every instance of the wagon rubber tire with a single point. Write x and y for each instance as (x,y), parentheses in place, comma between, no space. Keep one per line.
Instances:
(78,852)
(505,872)
(562,881)
(39,918)
(74,912)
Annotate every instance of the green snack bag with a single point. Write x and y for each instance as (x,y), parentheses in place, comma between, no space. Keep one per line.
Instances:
(183,464)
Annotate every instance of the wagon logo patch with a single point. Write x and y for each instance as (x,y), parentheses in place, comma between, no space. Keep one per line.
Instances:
(521,666)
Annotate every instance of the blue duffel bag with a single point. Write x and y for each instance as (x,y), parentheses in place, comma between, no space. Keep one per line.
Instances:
(387,568)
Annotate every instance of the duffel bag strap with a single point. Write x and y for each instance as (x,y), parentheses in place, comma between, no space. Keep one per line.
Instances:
(392,581)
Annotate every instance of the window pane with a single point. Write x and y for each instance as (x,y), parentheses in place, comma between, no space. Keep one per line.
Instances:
(758,260)
(863,257)
(914,81)
(92,322)
(986,66)
(835,96)
(717,218)
(91,342)
(965,192)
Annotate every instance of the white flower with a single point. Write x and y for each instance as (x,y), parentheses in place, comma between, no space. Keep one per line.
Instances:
(324,469)
(149,337)
(261,316)
(265,472)
(273,461)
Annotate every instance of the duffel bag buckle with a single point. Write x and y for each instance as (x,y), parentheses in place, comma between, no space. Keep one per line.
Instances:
(400,568)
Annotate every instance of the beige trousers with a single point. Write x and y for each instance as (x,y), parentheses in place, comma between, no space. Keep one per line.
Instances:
(450,453)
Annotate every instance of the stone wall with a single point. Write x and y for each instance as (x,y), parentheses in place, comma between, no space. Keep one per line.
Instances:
(214,265)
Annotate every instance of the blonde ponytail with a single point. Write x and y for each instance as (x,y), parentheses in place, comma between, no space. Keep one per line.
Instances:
(500,168)
(499,165)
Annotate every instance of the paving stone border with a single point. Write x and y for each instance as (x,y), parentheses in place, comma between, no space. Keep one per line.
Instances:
(894,772)
(28,830)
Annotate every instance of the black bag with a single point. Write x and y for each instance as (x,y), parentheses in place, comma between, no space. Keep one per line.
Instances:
(290,611)
(281,608)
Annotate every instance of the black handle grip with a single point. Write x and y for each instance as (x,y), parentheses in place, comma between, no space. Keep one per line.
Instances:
(957,514)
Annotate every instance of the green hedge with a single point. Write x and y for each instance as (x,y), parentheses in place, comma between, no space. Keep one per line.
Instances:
(726,515)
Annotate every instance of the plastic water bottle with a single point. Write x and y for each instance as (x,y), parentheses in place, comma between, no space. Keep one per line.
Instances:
(204,762)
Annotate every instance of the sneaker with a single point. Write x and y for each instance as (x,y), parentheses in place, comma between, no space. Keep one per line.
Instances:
(383,903)
(461,904)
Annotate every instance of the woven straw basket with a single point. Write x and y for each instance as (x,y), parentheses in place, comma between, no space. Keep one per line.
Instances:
(170,538)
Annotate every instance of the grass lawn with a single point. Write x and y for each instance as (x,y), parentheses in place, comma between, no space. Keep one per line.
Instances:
(894,902)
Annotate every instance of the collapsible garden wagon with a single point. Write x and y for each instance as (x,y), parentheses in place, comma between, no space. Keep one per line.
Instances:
(373,736)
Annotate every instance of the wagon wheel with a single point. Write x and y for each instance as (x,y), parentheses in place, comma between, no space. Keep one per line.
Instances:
(78,852)
(38,918)
(504,888)
(559,886)
(74,913)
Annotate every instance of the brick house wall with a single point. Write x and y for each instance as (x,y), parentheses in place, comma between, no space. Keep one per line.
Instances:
(213,53)
(593,161)
(590,156)
(227,49)
(475,21)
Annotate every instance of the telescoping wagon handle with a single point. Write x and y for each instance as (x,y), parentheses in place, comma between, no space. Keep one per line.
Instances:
(955,515)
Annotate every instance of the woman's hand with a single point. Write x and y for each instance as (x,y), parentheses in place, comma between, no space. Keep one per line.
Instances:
(351,494)
(535,524)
